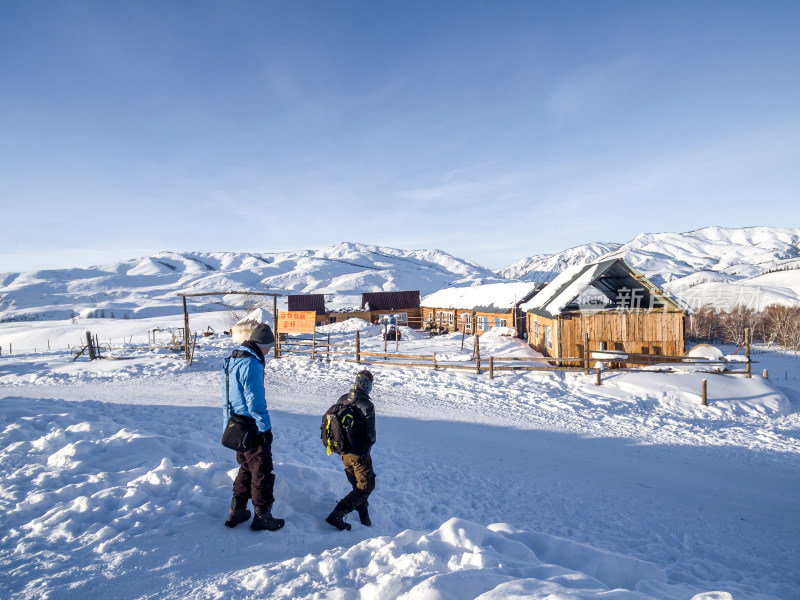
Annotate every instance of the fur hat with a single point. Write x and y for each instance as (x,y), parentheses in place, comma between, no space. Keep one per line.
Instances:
(262,335)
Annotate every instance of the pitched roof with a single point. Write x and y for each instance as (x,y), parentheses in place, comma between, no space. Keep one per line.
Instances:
(604,285)
(490,297)
(307,302)
(390,300)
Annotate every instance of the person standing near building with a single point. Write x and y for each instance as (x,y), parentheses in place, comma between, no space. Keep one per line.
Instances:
(357,461)
(246,396)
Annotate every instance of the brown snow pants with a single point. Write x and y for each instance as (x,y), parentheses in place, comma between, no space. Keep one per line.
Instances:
(358,468)
(255,479)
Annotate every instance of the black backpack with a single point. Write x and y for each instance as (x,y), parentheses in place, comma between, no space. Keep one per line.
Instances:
(341,429)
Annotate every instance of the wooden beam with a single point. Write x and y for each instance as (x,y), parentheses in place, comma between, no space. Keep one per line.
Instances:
(195,294)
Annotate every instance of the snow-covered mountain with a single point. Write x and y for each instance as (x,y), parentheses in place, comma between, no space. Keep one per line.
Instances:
(751,266)
(148,286)
(735,253)
(545,267)
(717,266)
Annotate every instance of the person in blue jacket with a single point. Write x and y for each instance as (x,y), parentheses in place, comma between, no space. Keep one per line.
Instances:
(247,396)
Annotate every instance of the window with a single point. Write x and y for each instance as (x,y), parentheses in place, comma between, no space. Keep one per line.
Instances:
(467,322)
(535,330)
(483,323)
(548,337)
(498,322)
(450,319)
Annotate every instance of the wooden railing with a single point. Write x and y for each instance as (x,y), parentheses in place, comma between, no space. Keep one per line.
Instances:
(608,360)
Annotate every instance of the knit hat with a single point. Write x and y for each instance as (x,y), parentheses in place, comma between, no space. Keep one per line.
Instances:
(262,335)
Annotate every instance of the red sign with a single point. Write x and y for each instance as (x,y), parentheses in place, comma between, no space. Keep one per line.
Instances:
(299,321)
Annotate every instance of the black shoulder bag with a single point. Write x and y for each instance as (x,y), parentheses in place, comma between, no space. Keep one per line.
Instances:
(241,432)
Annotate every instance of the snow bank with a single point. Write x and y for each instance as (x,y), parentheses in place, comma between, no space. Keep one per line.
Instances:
(498,332)
(92,486)
(348,326)
(704,351)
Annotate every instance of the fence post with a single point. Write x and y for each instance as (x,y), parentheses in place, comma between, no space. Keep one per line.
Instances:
(188,354)
(766,374)
(704,393)
(435,366)
(90,345)
(586,353)
(491,367)
(477,354)
(328,352)
(191,355)
(597,379)
(276,351)
(747,336)
(358,347)
(314,344)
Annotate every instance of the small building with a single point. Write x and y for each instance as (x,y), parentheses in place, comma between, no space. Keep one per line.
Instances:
(342,314)
(479,308)
(241,331)
(404,306)
(309,302)
(617,306)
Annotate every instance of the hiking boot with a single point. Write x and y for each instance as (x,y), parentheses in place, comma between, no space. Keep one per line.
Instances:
(336,518)
(363,515)
(238,512)
(265,521)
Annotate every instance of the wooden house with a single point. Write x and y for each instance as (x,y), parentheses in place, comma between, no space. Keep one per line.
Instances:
(616,305)
(309,302)
(342,314)
(479,308)
(404,306)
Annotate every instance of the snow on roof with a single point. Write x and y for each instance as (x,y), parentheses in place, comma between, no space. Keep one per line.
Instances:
(499,296)
(574,281)
(562,290)
(259,315)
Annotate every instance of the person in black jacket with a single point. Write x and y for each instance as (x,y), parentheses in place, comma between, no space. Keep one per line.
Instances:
(358,464)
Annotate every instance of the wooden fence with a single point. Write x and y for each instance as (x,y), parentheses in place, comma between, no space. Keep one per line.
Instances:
(94,349)
(592,360)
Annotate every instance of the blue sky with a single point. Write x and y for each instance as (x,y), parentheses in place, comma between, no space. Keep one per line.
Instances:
(490,130)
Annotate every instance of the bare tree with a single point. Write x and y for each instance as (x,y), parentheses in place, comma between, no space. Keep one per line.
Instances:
(246,304)
(705,325)
(782,325)
(776,324)
(736,322)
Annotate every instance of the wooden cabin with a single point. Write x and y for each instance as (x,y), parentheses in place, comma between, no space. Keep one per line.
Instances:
(343,314)
(479,308)
(403,306)
(618,307)
(309,302)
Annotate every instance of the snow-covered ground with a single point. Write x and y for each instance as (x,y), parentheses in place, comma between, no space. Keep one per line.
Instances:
(113,483)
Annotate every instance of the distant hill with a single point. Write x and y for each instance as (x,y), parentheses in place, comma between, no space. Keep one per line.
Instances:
(545,267)
(148,286)
(712,266)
